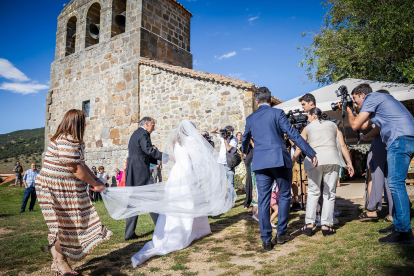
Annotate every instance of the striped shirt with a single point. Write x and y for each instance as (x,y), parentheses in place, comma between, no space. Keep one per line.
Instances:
(30,176)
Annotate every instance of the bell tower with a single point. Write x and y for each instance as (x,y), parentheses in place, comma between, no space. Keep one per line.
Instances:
(159,28)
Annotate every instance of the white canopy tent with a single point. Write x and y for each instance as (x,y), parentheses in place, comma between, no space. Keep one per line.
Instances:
(325,96)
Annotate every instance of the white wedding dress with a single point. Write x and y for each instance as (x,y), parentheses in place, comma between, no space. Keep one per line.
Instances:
(196,188)
(175,233)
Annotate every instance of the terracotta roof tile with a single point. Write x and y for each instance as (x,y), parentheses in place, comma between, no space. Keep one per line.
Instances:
(198,74)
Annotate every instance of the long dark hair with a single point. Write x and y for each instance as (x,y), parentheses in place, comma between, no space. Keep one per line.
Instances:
(73,124)
(316,111)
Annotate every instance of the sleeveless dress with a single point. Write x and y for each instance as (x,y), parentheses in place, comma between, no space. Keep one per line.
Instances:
(324,141)
(175,233)
(65,204)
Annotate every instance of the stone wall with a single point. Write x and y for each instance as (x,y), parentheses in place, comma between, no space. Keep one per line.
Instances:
(170,97)
(168,20)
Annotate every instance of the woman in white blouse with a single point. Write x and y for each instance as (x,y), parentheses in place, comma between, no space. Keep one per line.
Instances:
(328,142)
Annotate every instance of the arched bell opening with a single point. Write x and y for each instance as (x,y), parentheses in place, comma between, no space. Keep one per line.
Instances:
(70,36)
(118,17)
(93,21)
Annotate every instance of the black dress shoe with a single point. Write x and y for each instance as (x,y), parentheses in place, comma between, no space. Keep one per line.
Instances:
(398,238)
(267,246)
(21,211)
(134,237)
(387,230)
(281,239)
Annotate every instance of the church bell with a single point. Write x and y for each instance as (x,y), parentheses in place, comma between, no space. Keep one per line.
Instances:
(120,20)
(94,31)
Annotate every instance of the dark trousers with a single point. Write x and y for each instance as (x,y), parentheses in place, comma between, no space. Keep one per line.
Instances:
(159,175)
(29,192)
(249,187)
(264,182)
(131,224)
(154,174)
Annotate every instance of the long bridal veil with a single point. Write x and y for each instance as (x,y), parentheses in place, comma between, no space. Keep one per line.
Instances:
(196,184)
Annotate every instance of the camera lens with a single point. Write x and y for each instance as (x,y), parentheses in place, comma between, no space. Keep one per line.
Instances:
(334,106)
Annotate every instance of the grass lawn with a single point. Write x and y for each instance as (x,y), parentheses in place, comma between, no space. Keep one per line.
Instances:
(234,248)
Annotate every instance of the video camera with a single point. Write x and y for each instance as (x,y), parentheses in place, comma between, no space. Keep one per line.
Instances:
(223,132)
(346,100)
(298,121)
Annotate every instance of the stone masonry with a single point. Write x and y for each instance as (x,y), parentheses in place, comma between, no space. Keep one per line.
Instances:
(126,74)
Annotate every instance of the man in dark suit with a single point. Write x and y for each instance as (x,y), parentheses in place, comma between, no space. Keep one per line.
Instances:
(271,161)
(141,154)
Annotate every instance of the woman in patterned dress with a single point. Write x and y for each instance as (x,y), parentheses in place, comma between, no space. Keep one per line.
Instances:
(74,226)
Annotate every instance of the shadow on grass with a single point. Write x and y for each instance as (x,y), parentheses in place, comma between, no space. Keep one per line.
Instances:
(6,215)
(113,262)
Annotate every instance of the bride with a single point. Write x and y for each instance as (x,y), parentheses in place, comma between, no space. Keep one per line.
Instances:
(196,188)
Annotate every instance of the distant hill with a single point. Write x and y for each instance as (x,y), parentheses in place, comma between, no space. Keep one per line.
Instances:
(24,145)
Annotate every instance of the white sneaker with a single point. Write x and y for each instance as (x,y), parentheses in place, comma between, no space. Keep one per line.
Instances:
(273,225)
(254,217)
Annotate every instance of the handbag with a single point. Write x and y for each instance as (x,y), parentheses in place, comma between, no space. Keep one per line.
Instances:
(233,159)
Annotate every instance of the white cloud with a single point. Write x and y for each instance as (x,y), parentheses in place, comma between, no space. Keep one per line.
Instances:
(23,88)
(253,18)
(229,55)
(8,71)
(293,17)
(247,49)
(195,62)
(21,84)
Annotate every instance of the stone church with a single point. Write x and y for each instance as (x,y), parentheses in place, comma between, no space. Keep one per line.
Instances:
(121,60)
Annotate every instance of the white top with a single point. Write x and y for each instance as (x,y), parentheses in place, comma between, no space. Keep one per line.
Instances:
(222,159)
(103,177)
(323,139)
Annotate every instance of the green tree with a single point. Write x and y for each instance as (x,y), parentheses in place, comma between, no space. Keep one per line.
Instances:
(365,39)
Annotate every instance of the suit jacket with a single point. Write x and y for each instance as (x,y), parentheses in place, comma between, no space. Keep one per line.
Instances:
(267,127)
(141,154)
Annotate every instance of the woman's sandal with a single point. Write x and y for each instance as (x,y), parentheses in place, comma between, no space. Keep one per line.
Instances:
(58,271)
(329,231)
(387,220)
(364,215)
(306,230)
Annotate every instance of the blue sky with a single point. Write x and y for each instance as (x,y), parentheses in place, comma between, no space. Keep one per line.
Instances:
(252,40)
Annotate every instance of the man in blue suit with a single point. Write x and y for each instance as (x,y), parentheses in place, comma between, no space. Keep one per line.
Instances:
(271,161)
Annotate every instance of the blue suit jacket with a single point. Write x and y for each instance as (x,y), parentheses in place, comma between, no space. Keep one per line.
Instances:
(267,127)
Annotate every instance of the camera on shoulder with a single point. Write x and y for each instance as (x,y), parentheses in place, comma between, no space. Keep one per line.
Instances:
(346,100)
(297,118)
(223,132)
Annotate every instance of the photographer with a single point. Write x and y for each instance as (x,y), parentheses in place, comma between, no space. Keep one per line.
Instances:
(397,132)
(308,102)
(206,136)
(228,143)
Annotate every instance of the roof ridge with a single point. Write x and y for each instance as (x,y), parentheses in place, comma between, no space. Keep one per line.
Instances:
(199,74)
